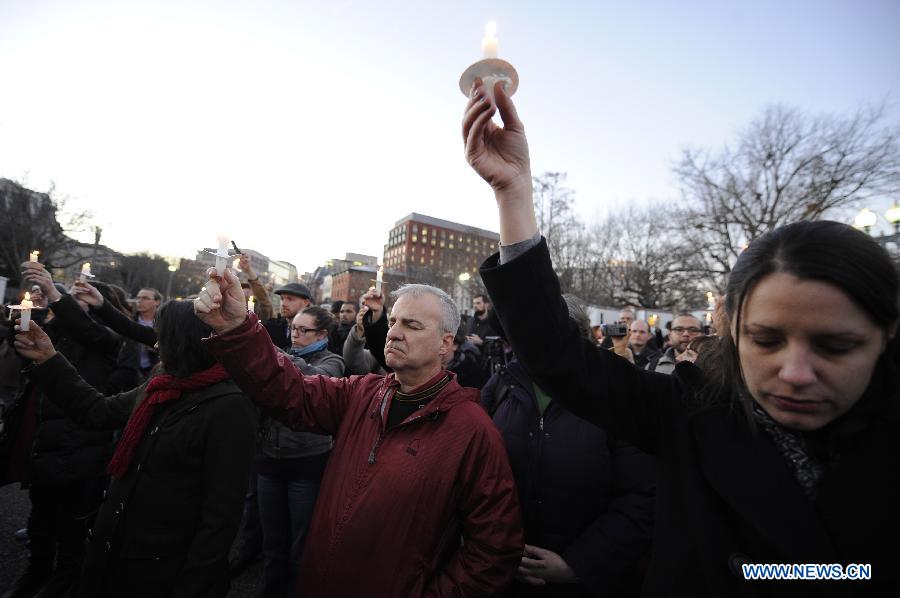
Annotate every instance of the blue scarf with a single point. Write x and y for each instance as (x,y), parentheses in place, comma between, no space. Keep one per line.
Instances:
(313,348)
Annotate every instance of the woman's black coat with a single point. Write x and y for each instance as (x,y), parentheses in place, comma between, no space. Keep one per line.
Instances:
(725,495)
(166,526)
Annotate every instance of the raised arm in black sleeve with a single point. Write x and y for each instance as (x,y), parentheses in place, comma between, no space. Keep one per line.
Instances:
(125,325)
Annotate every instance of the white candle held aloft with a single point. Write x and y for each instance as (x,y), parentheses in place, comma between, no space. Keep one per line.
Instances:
(25,307)
(85,271)
(251,304)
(33,256)
(379,278)
(489,44)
(221,254)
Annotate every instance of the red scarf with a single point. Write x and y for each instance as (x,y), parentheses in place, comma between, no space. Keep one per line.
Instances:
(162,388)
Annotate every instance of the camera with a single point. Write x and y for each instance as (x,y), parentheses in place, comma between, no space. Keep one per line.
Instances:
(616,329)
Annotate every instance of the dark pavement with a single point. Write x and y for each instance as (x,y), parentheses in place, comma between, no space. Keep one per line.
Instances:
(14,556)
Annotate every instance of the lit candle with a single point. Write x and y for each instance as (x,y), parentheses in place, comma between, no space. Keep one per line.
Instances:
(709,317)
(235,264)
(25,308)
(33,256)
(85,271)
(379,278)
(221,254)
(251,304)
(489,43)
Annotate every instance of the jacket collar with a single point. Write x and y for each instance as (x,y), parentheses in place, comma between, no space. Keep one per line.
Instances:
(451,395)
(747,471)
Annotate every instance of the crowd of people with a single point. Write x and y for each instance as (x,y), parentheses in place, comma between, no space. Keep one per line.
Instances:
(387,448)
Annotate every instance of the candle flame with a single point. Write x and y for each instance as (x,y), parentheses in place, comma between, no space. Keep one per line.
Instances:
(490,30)
(27,296)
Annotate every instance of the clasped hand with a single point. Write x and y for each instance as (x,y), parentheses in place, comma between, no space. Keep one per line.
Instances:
(221,303)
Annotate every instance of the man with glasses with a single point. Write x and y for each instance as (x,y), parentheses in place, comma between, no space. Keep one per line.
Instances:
(685,328)
(146,304)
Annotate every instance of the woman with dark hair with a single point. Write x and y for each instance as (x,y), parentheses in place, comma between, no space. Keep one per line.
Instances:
(790,454)
(292,463)
(178,472)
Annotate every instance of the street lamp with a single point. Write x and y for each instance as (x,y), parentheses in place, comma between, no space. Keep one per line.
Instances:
(865,220)
(169,285)
(893,216)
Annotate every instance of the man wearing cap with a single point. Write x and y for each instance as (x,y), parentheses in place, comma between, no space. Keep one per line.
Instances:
(295,297)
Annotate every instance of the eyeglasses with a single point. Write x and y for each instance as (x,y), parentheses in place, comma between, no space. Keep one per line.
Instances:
(691,330)
(304,329)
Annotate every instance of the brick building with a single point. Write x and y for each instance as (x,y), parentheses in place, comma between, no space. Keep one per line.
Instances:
(419,243)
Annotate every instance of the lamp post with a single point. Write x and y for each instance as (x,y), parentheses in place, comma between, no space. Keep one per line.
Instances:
(865,220)
(463,279)
(169,285)
(893,216)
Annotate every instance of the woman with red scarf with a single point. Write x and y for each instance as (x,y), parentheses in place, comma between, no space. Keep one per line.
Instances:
(179,472)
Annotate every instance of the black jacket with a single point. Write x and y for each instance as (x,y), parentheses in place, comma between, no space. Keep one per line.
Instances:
(165,527)
(279,331)
(584,495)
(726,496)
(61,450)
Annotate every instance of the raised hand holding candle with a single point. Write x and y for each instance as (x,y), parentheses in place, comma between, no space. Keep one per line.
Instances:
(86,272)
(24,307)
(379,278)
(221,254)
(33,256)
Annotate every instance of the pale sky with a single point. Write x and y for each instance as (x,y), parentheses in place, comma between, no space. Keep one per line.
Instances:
(305,129)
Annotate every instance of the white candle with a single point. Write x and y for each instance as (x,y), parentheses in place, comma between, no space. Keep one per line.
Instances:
(85,271)
(251,304)
(33,256)
(379,278)
(489,43)
(25,307)
(221,254)
(711,300)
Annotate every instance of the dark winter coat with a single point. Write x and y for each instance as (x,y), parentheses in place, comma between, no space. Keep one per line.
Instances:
(726,496)
(164,528)
(425,508)
(59,450)
(279,331)
(584,495)
(280,442)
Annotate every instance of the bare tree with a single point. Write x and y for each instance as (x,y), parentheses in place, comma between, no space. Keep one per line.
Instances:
(556,219)
(786,167)
(633,260)
(31,222)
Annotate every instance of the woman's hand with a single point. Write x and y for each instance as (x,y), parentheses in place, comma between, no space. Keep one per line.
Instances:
(87,293)
(221,303)
(34,344)
(500,157)
(37,274)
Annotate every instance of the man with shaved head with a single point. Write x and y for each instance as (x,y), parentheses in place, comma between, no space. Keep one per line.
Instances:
(638,342)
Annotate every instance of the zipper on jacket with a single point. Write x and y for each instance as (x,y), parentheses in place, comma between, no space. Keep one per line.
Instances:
(433,416)
(541,423)
(375,448)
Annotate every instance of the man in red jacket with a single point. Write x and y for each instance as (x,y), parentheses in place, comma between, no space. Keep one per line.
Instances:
(418,498)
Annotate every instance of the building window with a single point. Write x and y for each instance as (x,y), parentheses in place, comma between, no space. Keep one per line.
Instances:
(433,240)
(442,243)
(422,260)
(424,231)
(451,244)
(415,228)
(415,238)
